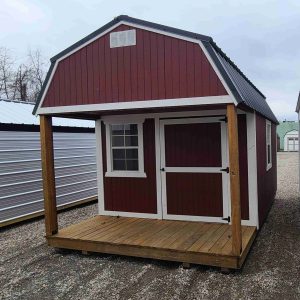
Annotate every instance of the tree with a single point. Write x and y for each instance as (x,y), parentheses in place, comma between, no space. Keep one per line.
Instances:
(24,81)
(5,72)
(20,83)
(37,71)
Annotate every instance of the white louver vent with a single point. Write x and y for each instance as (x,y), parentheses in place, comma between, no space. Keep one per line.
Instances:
(123,38)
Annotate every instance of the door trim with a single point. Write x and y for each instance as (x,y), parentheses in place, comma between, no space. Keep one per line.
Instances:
(225,177)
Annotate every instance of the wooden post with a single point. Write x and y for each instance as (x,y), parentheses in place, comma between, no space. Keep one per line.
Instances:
(48,175)
(234,172)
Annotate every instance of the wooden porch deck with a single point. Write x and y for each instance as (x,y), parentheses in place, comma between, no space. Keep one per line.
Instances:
(188,242)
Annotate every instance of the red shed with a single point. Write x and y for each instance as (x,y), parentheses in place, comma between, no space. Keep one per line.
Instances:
(186,144)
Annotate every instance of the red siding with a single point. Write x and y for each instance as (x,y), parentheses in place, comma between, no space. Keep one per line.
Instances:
(193,145)
(158,67)
(133,194)
(243,162)
(266,180)
(194,194)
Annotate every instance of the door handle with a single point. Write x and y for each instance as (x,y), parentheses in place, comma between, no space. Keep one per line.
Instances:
(162,169)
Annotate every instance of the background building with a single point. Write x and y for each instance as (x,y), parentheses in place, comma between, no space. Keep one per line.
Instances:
(21,190)
(287,132)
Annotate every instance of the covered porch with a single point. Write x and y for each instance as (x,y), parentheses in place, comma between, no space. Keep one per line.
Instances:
(188,242)
(191,241)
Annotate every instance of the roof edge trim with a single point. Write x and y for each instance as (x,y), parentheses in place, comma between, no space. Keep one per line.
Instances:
(218,49)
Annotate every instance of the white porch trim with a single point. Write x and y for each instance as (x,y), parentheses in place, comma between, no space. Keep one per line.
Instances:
(137,105)
(252,171)
(100,179)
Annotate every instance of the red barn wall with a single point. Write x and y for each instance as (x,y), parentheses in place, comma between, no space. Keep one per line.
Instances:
(133,194)
(158,67)
(243,163)
(266,180)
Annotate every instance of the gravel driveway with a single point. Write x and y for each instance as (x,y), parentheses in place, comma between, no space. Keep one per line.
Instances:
(29,269)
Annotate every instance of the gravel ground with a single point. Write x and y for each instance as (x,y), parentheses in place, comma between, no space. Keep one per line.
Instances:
(29,269)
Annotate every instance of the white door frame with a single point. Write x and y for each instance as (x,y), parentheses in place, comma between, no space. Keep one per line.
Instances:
(225,176)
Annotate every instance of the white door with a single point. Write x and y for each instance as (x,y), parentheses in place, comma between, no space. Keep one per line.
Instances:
(194,161)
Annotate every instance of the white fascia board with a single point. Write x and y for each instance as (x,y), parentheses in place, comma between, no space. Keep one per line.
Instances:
(137,104)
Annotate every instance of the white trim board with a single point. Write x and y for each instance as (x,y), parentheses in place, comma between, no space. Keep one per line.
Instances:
(128,214)
(99,160)
(252,170)
(137,104)
(196,41)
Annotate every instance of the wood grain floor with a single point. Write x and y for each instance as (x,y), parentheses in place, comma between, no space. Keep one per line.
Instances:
(192,242)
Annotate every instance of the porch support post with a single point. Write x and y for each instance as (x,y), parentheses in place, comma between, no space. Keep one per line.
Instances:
(48,175)
(234,172)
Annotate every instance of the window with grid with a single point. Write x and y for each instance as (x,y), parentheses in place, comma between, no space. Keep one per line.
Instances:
(269,145)
(124,147)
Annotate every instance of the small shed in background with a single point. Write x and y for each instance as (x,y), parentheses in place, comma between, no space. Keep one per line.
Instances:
(21,191)
(287,132)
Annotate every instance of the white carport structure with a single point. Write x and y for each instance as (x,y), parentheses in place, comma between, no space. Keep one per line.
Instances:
(21,191)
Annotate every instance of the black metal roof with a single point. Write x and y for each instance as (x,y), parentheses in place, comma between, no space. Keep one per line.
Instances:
(244,91)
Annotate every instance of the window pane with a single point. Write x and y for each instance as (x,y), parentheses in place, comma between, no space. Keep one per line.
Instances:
(269,154)
(132,165)
(117,129)
(119,165)
(131,129)
(118,153)
(132,154)
(117,141)
(131,140)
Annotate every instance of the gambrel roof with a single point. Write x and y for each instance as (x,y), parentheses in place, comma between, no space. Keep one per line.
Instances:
(243,90)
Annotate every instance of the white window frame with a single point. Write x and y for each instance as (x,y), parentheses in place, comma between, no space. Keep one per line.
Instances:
(126,173)
(268,164)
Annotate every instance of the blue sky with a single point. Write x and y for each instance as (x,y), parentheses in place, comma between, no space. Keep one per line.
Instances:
(261,37)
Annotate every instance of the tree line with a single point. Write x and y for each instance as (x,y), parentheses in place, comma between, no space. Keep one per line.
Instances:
(22,81)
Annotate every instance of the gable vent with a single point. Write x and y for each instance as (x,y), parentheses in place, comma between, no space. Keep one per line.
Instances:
(123,38)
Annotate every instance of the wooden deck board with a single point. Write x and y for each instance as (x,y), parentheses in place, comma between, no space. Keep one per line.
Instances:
(193,242)
(182,238)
